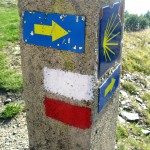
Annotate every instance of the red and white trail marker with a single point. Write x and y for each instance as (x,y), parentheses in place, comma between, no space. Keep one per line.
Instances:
(69,114)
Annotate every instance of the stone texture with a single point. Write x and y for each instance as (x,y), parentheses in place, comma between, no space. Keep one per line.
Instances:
(146,131)
(130,116)
(46,133)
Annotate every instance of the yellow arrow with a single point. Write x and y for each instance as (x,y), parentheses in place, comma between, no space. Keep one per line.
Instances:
(110,86)
(55,30)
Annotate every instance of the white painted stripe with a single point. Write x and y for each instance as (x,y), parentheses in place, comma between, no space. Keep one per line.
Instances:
(71,85)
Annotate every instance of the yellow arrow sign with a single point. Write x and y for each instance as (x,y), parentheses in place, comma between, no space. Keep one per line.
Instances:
(110,86)
(55,30)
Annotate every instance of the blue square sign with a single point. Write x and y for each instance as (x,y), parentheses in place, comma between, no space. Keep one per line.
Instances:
(108,88)
(62,32)
(110,37)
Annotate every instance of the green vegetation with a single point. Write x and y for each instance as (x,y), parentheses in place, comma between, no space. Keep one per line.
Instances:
(135,23)
(130,87)
(146,115)
(9,25)
(121,132)
(10,111)
(146,96)
(10,79)
(121,146)
(147,16)
(128,138)
(136,52)
(136,60)
(128,142)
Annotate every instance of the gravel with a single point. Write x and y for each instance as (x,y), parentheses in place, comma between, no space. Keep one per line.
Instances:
(14,134)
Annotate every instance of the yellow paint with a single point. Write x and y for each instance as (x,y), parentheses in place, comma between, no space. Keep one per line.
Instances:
(110,86)
(55,30)
(42,29)
(108,37)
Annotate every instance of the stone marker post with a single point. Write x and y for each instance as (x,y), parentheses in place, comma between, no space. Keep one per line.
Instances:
(71,53)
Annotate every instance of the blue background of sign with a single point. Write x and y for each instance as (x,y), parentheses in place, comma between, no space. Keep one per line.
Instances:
(104,64)
(102,98)
(75,25)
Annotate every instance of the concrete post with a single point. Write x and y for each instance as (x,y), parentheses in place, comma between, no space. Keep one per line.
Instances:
(71,67)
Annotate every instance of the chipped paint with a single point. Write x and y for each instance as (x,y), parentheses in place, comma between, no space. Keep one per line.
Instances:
(108,88)
(110,37)
(69,84)
(51,30)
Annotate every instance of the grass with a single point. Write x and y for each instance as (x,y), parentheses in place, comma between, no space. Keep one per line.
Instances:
(144,82)
(10,80)
(128,137)
(121,147)
(130,87)
(135,59)
(136,53)
(9,25)
(146,113)
(146,119)
(10,111)
(121,132)
(136,144)
(146,96)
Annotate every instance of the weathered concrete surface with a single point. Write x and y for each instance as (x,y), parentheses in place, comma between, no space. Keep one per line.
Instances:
(49,134)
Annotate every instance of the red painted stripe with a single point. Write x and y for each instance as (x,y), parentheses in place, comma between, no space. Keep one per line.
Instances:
(70,114)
